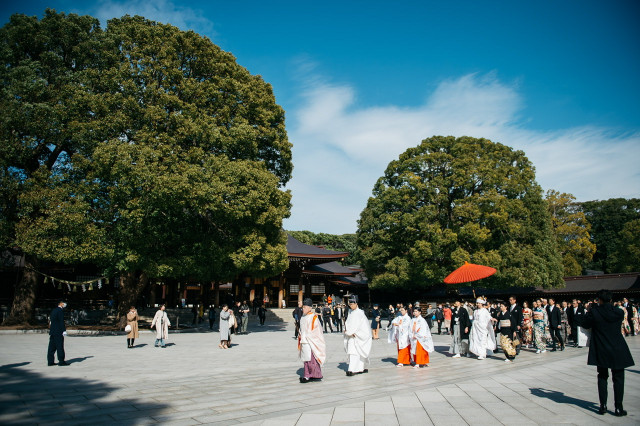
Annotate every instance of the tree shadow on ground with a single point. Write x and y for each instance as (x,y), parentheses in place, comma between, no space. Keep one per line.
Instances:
(562,398)
(31,397)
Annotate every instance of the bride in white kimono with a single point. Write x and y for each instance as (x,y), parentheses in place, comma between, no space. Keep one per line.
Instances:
(482,339)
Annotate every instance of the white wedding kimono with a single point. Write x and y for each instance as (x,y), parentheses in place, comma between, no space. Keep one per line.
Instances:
(357,340)
(482,339)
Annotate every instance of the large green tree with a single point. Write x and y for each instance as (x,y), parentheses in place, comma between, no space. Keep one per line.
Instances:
(626,256)
(451,200)
(181,159)
(571,229)
(608,219)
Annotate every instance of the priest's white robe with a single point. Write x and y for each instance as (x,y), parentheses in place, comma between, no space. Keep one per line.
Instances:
(357,340)
(311,340)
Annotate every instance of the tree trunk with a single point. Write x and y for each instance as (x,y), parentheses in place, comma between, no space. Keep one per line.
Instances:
(132,285)
(24,298)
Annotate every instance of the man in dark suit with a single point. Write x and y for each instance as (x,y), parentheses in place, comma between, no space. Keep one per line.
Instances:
(516,313)
(57,331)
(555,324)
(297,316)
(608,349)
(338,316)
(574,316)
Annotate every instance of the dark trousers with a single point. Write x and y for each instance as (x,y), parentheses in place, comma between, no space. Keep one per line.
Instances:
(429,323)
(262,320)
(618,385)
(297,328)
(327,320)
(556,335)
(439,326)
(211,320)
(574,334)
(56,344)
(519,345)
(338,322)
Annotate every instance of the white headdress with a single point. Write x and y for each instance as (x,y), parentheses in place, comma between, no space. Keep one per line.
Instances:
(480,300)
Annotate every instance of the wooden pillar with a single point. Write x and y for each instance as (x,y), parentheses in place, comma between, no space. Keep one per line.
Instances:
(252,295)
(300,295)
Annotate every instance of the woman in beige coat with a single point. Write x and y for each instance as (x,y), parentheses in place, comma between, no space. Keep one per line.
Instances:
(162,323)
(132,321)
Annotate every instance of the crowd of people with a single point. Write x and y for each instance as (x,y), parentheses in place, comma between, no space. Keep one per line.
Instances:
(475,331)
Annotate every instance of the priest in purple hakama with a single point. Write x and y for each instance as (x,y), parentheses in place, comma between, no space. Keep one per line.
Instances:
(311,346)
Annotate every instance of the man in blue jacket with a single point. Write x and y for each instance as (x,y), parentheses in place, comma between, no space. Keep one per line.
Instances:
(608,349)
(57,331)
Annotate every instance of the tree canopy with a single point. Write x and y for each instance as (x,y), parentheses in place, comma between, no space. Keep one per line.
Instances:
(451,200)
(608,218)
(141,148)
(571,229)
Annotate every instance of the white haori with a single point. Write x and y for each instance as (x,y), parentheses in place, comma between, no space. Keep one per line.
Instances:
(311,339)
(482,339)
(400,331)
(420,333)
(357,338)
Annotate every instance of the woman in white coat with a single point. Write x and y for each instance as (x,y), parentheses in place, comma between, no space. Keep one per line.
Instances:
(162,323)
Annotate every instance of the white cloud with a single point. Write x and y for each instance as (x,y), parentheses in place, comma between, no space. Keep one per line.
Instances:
(341,149)
(164,11)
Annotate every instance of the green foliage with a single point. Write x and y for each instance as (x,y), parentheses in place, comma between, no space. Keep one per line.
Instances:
(626,257)
(344,243)
(139,148)
(571,229)
(454,199)
(608,218)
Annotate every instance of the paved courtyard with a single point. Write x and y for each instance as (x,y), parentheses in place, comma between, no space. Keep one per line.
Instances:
(256,382)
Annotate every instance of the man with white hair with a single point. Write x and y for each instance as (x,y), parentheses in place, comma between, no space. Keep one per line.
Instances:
(357,338)
(482,338)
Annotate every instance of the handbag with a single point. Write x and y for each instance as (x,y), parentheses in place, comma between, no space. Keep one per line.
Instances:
(128,328)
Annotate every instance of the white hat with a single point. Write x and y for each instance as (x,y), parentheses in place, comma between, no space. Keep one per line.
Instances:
(480,300)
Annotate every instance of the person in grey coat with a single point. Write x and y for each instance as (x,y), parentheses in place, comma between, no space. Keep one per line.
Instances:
(224,327)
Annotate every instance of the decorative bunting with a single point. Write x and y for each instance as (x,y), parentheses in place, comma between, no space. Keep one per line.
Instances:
(71,285)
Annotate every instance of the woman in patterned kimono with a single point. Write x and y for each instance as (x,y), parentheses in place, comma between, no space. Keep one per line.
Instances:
(626,330)
(527,332)
(635,320)
(539,323)
(564,323)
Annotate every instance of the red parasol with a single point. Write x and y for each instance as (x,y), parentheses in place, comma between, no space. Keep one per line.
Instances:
(469,272)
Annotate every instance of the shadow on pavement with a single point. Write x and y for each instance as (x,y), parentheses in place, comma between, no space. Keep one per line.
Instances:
(34,398)
(564,399)
(74,360)
(634,371)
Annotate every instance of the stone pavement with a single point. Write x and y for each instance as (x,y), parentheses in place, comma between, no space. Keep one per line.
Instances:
(193,382)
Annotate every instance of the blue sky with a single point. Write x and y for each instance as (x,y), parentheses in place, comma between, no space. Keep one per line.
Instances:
(361,81)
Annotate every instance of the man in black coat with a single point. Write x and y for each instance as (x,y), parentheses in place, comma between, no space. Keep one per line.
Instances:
(516,313)
(608,349)
(555,324)
(57,331)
